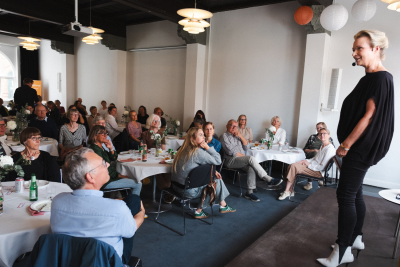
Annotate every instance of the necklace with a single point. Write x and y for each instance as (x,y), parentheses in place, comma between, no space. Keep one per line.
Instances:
(32,157)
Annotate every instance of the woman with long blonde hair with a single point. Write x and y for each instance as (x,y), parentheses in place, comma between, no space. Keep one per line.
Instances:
(188,158)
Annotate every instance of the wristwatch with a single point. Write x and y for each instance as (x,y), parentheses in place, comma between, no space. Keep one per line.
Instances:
(345,148)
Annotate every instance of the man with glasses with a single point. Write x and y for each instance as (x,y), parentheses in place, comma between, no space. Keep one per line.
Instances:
(234,146)
(46,125)
(4,149)
(85,213)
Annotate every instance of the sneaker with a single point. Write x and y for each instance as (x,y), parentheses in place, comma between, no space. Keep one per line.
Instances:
(320,183)
(285,194)
(226,209)
(308,186)
(275,181)
(168,198)
(252,197)
(201,215)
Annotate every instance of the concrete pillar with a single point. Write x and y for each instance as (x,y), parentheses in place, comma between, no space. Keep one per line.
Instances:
(314,82)
(194,82)
(118,76)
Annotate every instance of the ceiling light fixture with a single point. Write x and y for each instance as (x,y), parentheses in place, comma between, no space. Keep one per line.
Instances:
(94,38)
(393,4)
(194,22)
(29,43)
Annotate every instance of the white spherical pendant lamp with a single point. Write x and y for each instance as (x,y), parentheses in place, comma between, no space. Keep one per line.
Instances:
(363,10)
(334,17)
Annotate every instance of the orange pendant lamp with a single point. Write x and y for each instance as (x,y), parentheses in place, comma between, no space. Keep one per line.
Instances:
(303,15)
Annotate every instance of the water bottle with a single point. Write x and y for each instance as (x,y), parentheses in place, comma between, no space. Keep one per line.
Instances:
(33,190)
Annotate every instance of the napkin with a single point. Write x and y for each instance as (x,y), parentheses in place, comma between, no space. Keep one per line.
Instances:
(34,212)
(126,160)
(163,162)
(182,138)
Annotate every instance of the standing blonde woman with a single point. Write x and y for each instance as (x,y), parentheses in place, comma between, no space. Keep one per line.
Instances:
(364,139)
(245,131)
(279,133)
(189,157)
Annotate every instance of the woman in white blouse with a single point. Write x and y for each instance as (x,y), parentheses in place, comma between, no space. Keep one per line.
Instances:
(279,133)
(245,131)
(313,167)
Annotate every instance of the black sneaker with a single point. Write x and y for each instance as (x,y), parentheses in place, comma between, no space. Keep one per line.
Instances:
(252,197)
(275,181)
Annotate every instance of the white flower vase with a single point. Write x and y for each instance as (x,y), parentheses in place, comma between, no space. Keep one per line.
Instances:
(175,131)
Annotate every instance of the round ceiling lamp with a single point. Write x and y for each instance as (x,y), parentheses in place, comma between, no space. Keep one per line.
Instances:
(94,38)
(334,17)
(303,15)
(363,10)
(29,43)
(194,22)
(393,4)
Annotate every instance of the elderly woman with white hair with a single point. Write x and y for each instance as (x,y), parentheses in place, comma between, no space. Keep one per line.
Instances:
(279,133)
(153,123)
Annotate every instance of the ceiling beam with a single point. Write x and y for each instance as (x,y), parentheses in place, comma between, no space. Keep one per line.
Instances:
(96,4)
(128,12)
(143,20)
(315,2)
(245,4)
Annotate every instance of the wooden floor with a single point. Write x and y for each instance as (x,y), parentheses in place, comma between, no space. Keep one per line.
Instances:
(309,230)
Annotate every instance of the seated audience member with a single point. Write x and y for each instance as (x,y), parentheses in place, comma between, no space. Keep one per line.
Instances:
(111,124)
(313,167)
(39,103)
(80,100)
(134,129)
(197,123)
(54,113)
(4,148)
(158,111)
(58,104)
(314,143)
(103,110)
(93,114)
(98,138)
(85,213)
(142,116)
(32,114)
(83,113)
(209,134)
(72,135)
(235,145)
(65,120)
(279,133)
(3,109)
(245,131)
(41,163)
(153,124)
(190,157)
(99,120)
(199,116)
(46,125)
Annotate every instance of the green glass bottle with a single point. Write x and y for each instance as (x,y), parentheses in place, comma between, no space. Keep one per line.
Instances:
(33,190)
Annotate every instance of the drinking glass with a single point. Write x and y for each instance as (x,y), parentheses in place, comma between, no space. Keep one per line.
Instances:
(256,143)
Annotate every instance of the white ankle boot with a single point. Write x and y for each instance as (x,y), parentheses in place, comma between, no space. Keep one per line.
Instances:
(333,259)
(358,244)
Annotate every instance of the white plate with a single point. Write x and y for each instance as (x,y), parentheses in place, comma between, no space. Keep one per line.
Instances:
(40,184)
(124,153)
(256,148)
(39,204)
(169,161)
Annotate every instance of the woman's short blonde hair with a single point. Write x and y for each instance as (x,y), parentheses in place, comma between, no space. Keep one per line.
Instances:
(377,38)
(276,117)
(240,117)
(321,123)
(326,130)
(150,119)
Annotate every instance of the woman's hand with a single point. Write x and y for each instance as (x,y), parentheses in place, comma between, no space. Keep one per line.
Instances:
(204,145)
(218,175)
(108,144)
(304,162)
(341,152)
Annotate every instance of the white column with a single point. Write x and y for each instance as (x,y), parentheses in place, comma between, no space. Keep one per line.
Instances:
(194,82)
(68,82)
(118,76)
(314,82)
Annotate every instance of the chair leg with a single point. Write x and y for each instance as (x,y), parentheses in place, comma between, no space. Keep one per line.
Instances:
(166,226)
(240,184)
(234,178)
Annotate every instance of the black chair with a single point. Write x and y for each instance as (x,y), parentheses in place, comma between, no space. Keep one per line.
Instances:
(239,172)
(197,177)
(304,176)
(117,193)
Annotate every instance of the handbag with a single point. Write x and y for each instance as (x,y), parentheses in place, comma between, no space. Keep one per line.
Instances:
(210,190)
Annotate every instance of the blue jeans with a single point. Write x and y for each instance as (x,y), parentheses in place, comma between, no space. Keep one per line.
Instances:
(126,182)
(221,193)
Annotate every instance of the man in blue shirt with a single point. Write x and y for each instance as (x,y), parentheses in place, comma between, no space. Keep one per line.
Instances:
(47,126)
(85,213)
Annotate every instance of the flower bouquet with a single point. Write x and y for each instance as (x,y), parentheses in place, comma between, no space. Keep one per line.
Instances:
(7,165)
(157,140)
(175,123)
(269,134)
(125,115)
(20,123)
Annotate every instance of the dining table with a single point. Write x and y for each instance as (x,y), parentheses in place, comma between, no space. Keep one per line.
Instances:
(139,170)
(173,142)
(19,230)
(47,144)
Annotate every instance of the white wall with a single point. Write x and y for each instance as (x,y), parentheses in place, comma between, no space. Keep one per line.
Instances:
(156,78)
(386,172)
(256,67)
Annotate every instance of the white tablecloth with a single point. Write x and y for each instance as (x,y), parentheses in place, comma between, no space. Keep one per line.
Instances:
(19,230)
(50,146)
(140,170)
(173,142)
(275,154)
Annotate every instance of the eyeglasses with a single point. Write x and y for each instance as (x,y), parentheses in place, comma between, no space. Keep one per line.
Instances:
(36,139)
(104,163)
(2,126)
(104,133)
(321,134)
(243,119)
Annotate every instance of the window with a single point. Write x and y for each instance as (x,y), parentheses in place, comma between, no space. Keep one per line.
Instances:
(7,78)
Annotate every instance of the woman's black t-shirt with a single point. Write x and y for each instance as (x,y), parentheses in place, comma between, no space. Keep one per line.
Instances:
(374,143)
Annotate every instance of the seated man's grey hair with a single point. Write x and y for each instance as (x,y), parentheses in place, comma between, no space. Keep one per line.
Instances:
(75,168)
(231,120)
(98,118)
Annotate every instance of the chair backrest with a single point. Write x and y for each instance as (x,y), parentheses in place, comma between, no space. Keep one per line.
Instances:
(200,176)
(328,166)
(64,251)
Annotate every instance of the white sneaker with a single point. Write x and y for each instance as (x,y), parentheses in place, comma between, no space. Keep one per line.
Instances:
(285,194)
(320,183)
(308,186)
